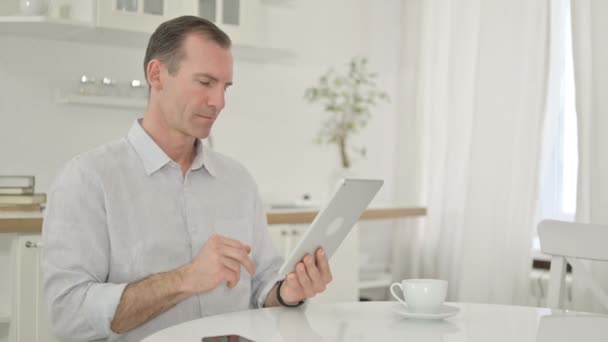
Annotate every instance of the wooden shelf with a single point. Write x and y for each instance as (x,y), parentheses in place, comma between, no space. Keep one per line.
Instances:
(302,216)
(43,27)
(21,225)
(33,224)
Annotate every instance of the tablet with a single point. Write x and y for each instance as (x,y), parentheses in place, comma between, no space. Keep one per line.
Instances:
(334,221)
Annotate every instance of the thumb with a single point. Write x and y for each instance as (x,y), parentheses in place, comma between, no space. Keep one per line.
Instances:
(290,287)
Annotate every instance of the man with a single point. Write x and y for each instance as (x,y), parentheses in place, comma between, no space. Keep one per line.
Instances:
(153,230)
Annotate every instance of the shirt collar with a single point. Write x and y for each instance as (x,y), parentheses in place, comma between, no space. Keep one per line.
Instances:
(204,157)
(154,158)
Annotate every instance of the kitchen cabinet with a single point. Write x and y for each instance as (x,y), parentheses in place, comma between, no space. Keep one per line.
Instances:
(240,19)
(24,311)
(139,15)
(30,320)
(5,285)
(129,23)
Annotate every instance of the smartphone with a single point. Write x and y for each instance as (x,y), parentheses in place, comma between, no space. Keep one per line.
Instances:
(230,338)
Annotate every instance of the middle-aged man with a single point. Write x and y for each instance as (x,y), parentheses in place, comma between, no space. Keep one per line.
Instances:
(154,229)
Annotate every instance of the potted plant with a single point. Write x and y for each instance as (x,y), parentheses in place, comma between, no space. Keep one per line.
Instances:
(348,98)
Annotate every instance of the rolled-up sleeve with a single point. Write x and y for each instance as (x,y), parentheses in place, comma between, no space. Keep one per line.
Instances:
(75,258)
(265,257)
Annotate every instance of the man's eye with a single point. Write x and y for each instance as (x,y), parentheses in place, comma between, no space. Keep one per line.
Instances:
(205,83)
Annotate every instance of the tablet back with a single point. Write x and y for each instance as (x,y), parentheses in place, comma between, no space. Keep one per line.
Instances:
(335,220)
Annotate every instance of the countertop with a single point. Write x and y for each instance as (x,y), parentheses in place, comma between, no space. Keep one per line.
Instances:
(31,222)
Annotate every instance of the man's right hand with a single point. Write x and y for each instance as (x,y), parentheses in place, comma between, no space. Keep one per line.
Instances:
(220,259)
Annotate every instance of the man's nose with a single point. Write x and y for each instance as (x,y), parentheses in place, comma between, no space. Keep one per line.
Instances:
(217,98)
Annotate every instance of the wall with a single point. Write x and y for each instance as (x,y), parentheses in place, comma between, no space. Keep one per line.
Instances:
(267,125)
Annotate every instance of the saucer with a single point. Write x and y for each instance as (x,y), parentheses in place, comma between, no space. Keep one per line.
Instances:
(444,311)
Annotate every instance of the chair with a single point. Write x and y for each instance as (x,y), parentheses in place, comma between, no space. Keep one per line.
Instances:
(567,243)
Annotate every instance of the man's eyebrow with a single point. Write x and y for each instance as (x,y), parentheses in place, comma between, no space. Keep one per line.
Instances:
(211,77)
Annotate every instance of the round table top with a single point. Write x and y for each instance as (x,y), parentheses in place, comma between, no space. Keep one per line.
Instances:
(378,321)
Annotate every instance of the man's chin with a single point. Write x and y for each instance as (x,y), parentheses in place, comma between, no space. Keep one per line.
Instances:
(202,134)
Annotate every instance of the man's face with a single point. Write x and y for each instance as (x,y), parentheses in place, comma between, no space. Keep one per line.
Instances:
(192,99)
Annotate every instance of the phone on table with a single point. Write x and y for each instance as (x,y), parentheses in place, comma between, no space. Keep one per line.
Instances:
(229,338)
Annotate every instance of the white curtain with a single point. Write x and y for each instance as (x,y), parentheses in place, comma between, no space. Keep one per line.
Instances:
(474,83)
(589,26)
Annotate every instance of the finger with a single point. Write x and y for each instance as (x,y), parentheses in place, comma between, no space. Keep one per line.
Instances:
(323,266)
(233,266)
(304,280)
(241,256)
(230,277)
(233,243)
(318,285)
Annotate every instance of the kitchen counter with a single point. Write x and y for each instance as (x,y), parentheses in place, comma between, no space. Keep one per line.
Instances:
(300,216)
(31,222)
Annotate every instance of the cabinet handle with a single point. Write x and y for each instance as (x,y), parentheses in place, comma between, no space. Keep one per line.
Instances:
(30,244)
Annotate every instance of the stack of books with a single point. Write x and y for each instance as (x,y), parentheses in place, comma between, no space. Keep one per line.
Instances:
(17,194)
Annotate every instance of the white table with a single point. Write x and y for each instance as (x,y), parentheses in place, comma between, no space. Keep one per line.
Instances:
(375,321)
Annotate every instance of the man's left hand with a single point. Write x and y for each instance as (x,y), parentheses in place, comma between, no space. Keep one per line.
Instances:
(309,278)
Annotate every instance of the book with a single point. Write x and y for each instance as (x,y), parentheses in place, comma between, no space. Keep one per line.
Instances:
(16,190)
(20,207)
(23,199)
(17,181)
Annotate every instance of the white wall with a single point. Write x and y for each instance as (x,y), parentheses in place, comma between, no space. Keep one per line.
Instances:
(267,125)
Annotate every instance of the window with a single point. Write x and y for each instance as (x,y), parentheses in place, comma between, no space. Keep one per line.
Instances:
(560,151)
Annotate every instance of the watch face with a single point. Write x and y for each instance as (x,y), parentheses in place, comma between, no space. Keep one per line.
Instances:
(230,338)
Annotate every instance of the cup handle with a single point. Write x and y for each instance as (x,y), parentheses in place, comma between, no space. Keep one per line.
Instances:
(395,295)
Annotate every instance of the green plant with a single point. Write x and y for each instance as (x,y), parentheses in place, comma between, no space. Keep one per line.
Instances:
(348,98)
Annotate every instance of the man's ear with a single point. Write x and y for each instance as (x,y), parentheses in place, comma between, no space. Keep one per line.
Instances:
(154,70)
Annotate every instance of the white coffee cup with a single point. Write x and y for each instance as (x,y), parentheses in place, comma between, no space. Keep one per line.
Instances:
(422,295)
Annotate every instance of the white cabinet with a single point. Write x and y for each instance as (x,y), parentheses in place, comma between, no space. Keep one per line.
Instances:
(29,315)
(139,15)
(5,285)
(240,19)
(21,306)
(130,23)
(343,264)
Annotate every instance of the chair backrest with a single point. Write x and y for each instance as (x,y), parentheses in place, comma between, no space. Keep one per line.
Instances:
(567,242)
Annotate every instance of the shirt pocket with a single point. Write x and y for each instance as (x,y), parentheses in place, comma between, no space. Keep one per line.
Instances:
(235,228)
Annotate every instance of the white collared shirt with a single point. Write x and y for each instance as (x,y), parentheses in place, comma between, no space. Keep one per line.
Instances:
(124,211)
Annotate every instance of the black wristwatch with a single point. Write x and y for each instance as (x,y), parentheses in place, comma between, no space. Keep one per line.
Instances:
(281,301)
